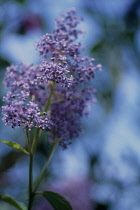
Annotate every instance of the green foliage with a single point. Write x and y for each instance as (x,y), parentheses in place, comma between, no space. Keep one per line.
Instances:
(20,1)
(3,62)
(14,145)
(11,200)
(57,201)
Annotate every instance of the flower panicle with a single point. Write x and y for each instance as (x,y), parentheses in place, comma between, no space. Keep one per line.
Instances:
(60,84)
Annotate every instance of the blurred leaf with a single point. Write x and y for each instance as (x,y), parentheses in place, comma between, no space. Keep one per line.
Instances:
(94,160)
(20,1)
(3,62)
(9,159)
(102,206)
(14,145)
(11,200)
(99,45)
(131,16)
(57,201)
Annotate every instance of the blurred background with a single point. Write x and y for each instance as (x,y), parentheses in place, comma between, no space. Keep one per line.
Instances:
(101,169)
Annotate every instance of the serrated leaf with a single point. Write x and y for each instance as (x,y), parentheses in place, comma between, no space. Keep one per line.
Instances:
(11,200)
(57,201)
(14,145)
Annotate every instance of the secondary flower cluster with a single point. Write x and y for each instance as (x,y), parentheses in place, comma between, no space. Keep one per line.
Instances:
(52,95)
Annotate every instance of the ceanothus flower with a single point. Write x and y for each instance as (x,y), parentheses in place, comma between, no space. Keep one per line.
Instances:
(52,95)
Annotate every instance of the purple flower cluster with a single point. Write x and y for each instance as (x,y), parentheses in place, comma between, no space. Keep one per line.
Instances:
(52,95)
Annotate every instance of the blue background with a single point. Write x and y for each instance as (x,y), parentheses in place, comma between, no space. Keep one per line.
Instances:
(108,151)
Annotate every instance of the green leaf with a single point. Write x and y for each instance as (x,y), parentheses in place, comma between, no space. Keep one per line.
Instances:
(14,145)
(57,201)
(11,200)
(22,205)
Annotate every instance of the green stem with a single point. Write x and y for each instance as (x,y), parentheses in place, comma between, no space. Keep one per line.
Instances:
(38,132)
(31,151)
(28,140)
(49,98)
(30,187)
(31,195)
(32,148)
(45,167)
